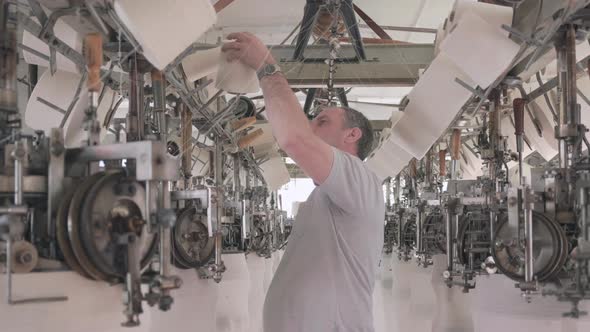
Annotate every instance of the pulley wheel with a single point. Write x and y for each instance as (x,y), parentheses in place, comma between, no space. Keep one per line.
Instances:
(245,107)
(115,207)
(192,246)
(24,257)
(63,239)
(550,249)
(257,236)
(74,222)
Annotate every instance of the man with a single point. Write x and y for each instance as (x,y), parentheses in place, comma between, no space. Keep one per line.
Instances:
(325,280)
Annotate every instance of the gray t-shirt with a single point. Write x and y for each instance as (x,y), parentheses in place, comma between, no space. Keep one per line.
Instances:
(325,280)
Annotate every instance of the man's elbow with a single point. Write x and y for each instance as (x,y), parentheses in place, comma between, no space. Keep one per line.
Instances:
(292,145)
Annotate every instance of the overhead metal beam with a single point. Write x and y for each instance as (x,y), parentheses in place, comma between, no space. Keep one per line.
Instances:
(388,65)
(372,24)
(221,4)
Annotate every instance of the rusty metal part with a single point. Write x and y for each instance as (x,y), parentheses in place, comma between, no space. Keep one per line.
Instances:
(442,162)
(222,4)
(371,23)
(186,139)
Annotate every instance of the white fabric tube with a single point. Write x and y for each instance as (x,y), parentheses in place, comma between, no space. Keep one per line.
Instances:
(235,77)
(201,63)
(164,29)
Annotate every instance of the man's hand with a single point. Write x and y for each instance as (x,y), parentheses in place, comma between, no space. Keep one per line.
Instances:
(248,49)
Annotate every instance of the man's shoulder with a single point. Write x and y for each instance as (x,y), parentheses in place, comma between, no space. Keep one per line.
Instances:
(360,166)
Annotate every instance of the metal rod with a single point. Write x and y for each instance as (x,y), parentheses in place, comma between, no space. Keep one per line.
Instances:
(9,270)
(165,233)
(400,28)
(134,116)
(148,206)
(246,209)
(561,48)
(518,108)
(18,174)
(584,213)
(528,234)
(449,238)
(397,191)
(455,238)
(218,175)
(237,185)
(388,193)
(492,227)
(419,222)
(568,114)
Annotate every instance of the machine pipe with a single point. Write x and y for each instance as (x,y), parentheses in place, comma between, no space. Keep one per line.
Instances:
(419,223)
(159,91)
(449,239)
(18,173)
(528,235)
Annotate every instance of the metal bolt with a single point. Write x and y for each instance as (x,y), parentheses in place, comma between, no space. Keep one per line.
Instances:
(25,258)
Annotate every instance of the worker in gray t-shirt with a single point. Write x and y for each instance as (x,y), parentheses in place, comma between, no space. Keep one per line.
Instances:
(326,277)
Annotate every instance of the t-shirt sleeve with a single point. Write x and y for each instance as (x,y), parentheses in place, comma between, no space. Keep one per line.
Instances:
(350,184)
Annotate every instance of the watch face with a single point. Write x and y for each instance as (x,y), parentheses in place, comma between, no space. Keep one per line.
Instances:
(270,69)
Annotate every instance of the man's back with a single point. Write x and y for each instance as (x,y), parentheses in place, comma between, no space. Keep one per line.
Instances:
(326,277)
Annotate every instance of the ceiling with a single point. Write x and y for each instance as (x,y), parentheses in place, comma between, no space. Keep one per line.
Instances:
(273,20)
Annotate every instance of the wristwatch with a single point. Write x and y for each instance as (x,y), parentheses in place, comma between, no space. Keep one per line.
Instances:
(268,70)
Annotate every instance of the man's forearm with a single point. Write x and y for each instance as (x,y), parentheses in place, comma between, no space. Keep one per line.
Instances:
(283,110)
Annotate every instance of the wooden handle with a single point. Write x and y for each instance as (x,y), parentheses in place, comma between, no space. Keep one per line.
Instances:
(456,144)
(413,167)
(93,53)
(442,162)
(243,123)
(157,75)
(247,140)
(519,104)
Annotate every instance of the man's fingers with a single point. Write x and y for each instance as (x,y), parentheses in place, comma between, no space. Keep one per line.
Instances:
(239,36)
(230,46)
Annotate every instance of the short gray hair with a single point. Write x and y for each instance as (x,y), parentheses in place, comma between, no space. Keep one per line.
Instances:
(356,119)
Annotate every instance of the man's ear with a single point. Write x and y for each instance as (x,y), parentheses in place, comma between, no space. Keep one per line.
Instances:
(354,134)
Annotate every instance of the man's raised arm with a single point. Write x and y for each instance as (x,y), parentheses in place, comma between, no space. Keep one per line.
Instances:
(289,124)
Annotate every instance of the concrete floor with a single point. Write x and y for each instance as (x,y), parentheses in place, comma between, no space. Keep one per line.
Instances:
(407,298)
